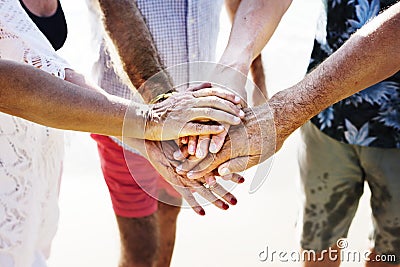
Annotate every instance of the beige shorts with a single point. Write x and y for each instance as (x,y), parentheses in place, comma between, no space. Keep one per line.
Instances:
(333,176)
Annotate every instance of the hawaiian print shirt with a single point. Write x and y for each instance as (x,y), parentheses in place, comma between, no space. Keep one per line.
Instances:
(372,116)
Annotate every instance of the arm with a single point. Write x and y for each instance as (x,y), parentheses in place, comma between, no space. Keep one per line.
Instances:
(42,98)
(369,56)
(253,25)
(74,104)
(134,45)
(256,68)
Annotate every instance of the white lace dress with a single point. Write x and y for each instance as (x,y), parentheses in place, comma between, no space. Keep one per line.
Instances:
(30,155)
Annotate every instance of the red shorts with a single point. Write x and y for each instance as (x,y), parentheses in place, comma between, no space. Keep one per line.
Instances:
(128,198)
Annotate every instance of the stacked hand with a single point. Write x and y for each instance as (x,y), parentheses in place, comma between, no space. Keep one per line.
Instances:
(200,111)
(246,145)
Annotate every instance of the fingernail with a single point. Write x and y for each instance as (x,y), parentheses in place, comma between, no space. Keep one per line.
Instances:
(233,201)
(224,171)
(236,119)
(190,174)
(199,154)
(237,99)
(241,113)
(179,168)
(202,212)
(213,147)
(225,206)
(177,154)
(191,150)
(241,180)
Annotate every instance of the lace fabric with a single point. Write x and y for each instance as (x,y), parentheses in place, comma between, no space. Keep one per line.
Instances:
(30,154)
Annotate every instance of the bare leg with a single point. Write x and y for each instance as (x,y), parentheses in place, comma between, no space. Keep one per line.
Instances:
(139,241)
(149,241)
(167,216)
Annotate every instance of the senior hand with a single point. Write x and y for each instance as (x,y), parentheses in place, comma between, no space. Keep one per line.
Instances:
(183,114)
(160,156)
(246,145)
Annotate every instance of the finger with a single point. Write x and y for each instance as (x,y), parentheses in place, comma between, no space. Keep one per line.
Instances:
(190,199)
(199,87)
(208,195)
(202,146)
(234,177)
(192,144)
(223,193)
(220,104)
(238,164)
(186,193)
(213,115)
(184,140)
(181,154)
(217,141)
(198,164)
(215,91)
(198,128)
(210,180)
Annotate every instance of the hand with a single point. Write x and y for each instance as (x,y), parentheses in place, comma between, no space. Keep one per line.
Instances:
(231,79)
(198,146)
(247,145)
(184,113)
(160,156)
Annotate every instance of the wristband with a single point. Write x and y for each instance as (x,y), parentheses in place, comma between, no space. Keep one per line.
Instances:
(161,97)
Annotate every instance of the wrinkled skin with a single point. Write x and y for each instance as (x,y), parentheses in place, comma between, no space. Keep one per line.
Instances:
(247,144)
(182,113)
(160,154)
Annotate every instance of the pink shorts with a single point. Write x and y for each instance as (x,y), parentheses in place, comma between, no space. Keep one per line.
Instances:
(128,198)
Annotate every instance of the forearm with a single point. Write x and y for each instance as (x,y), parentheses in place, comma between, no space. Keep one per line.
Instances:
(253,25)
(256,67)
(134,44)
(369,56)
(42,98)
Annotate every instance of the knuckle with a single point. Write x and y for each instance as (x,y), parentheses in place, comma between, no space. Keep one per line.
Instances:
(214,100)
(208,111)
(199,127)
(233,106)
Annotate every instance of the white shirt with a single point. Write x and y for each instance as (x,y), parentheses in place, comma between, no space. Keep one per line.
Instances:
(30,154)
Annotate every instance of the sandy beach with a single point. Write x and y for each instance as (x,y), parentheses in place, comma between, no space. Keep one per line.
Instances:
(265,220)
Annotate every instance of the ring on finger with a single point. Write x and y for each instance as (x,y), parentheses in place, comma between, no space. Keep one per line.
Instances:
(208,186)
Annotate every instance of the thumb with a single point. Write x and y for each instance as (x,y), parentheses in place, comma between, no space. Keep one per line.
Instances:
(194,129)
(238,164)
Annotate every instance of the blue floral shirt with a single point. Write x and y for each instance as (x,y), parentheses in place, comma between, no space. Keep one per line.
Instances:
(372,116)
